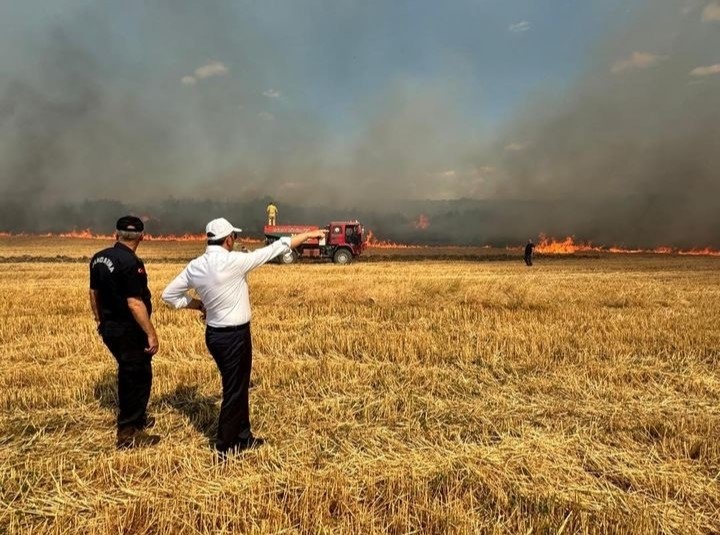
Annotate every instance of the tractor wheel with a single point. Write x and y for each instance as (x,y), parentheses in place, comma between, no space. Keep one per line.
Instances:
(342,256)
(289,258)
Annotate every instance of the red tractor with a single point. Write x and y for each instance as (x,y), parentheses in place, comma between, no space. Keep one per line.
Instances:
(343,241)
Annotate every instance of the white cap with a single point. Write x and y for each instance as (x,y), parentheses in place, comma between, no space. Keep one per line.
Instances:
(220,228)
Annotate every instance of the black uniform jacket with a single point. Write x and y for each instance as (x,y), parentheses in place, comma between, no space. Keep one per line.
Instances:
(116,273)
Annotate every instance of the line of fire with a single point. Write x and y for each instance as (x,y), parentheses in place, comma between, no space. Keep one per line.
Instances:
(346,240)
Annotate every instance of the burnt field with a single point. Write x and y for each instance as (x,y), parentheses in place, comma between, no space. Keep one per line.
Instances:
(23,248)
(417,390)
(58,249)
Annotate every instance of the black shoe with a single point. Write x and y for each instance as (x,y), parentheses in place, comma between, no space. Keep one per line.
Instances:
(135,438)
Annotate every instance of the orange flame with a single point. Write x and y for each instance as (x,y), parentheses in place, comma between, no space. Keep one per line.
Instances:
(87,234)
(372,241)
(570,246)
(550,246)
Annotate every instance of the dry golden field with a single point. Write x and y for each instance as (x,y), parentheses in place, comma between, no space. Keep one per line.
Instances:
(440,396)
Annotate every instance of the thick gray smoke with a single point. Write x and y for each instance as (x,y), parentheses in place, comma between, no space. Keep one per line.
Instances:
(63,135)
(634,144)
(92,103)
(141,102)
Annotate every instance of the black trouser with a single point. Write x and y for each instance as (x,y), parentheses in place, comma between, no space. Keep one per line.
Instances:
(231,347)
(127,343)
(528,259)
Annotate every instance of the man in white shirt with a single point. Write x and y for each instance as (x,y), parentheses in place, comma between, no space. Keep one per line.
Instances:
(219,277)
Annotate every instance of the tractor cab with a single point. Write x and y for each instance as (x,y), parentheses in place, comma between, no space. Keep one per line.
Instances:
(346,234)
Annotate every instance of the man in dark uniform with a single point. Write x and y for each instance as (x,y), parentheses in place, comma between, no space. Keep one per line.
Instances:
(529,252)
(120,301)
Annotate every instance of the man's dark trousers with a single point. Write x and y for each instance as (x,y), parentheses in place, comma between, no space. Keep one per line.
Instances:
(231,347)
(127,343)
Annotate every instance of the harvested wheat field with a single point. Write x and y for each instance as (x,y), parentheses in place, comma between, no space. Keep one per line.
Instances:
(439,396)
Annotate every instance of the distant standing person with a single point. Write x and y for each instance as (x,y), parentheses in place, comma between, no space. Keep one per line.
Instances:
(529,248)
(220,279)
(120,302)
(272,211)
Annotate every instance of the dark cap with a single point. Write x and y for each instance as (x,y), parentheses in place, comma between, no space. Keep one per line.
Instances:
(130,223)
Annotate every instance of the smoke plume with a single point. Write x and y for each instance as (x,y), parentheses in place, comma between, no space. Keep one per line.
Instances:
(134,105)
(634,144)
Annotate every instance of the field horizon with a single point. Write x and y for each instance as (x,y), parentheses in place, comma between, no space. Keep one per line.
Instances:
(444,394)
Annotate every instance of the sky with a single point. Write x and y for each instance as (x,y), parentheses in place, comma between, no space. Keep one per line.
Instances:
(355,102)
(327,55)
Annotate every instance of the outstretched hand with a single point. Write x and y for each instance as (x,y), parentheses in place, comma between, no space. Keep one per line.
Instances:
(318,234)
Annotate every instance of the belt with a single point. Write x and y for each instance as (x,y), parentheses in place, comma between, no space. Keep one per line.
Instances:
(228,329)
